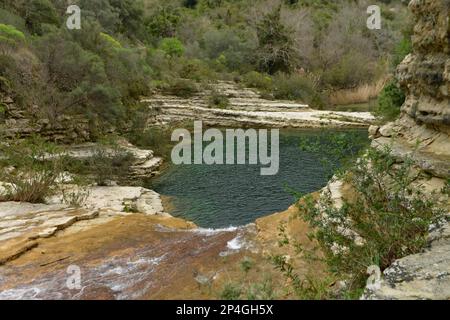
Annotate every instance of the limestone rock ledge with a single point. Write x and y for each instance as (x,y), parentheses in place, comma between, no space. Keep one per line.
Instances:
(246,108)
(145,164)
(24,123)
(22,225)
(424,125)
(425,275)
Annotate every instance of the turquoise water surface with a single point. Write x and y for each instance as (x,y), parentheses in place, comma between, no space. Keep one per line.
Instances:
(216,196)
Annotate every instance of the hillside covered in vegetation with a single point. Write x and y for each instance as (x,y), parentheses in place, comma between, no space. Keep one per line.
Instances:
(317,52)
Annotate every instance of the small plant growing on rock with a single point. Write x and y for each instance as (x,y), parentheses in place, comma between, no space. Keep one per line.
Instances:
(29,169)
(130,207)
(108,164)
(247,264)
(382,215)
(75,197)
(217,100)
(386,217)
(389,102)
(231,291)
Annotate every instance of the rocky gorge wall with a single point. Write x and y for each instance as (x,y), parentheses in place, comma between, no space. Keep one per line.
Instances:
(15,122)
(422,131)
(425,77)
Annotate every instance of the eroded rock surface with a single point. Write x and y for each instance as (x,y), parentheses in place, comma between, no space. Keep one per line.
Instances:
(23,224)
(246,108)
(422,133)
(145,163)
(136,256)
(425,275)
(21,123)
(424,125)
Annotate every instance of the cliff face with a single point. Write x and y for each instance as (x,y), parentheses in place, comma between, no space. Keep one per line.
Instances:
(16,122)
(425,76)
(425,124)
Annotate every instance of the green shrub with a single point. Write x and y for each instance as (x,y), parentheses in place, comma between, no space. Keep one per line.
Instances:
(195,69)
(217,100)
(389,102)
(155,138)
(247,264)
(110,163)
(403,48)
(229,48)
(10,37)
(30,168)
(10,32)
(297,87)
(231,291)
(110,41)
(352,70)
(164,22)
(39,13)
(385,216)
(387,211)
(172,47)
(276,46)
(2,110)
(181,87)
(254,79)
(12,19)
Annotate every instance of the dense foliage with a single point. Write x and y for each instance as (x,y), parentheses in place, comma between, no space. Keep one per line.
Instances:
(385,214)
(390,100)
(299,50)
(28,170)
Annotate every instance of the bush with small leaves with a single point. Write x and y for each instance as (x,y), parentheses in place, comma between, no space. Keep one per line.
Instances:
(172,47)
(388,213)
(29,169)
(10,38)
(231,291)
(217,100)
(389,102)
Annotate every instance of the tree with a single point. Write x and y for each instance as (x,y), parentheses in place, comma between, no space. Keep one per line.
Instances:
(40,12)
(276,46)
(10,37)
(163,23)
(172,47)
(131,14)
(103,13)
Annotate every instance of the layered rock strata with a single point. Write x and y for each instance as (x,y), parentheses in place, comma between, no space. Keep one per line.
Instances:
(247,109)
(422,132)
